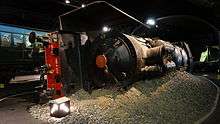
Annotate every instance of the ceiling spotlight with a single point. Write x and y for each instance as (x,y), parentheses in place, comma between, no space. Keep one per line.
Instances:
(106,29)
(151,22)
(67,1)
(83,5)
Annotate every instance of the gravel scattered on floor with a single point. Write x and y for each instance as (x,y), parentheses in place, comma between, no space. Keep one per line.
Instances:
(177,97)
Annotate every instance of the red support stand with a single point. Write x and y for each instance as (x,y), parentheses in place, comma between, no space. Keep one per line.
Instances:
(52,60)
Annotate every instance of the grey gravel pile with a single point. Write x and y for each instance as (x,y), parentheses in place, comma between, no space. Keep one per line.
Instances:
(176,97)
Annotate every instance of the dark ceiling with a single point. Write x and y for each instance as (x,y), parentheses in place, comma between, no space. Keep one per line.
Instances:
(43,14)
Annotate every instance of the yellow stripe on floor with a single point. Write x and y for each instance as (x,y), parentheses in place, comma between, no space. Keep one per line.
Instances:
(2,85)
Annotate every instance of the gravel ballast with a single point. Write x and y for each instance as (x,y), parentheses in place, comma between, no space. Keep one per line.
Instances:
(177,97)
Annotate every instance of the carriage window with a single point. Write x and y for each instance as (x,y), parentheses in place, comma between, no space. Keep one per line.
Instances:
(18,40)
(26,41)
(5,39)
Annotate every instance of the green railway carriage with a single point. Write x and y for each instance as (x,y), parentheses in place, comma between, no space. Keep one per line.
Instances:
(16,53)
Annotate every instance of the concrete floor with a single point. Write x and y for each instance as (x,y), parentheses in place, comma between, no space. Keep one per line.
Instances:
(15,111)
(215,117)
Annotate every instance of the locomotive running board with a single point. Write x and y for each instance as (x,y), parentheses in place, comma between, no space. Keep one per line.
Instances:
(25,79)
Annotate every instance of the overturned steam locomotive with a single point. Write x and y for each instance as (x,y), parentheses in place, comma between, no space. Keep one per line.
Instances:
(119,58)
(115,56)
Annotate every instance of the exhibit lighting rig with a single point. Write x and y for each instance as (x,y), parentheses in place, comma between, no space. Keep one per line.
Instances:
(151,22)
(67,1)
